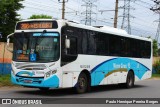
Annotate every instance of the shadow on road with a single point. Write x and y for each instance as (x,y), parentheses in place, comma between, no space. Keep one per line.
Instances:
(70,91)
(109,88)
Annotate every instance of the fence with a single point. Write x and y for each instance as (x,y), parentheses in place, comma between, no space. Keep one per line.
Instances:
(5,59)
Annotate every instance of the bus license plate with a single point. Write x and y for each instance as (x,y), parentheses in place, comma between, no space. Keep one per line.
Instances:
(27,81)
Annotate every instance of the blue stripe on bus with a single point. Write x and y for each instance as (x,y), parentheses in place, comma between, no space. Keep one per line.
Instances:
(45,34)
(50,82)
(98,73)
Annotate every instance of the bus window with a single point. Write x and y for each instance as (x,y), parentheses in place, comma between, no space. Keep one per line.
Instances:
(73,46)
(125,47)
(91,43)
(69,54)
(114,45)
(101,44)
(134,48)
(84,42)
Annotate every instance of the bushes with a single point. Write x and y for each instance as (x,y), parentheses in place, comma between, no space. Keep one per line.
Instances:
(5,80)
(156,66)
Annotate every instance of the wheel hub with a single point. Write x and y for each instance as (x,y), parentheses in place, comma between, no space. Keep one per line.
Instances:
(82,83)
(130,81)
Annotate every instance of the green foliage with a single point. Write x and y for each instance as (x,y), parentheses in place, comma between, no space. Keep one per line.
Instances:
(159,52)
(5,80)
(156,66)
(42,16)
(156,75)
(149,37)
(155,48)
(9,16)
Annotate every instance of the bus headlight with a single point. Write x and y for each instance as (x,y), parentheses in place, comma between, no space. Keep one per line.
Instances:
(54,71)
(49,73)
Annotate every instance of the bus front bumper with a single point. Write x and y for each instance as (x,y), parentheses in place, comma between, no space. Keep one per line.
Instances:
(51,82)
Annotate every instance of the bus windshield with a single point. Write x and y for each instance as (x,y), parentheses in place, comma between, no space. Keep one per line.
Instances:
(36,47)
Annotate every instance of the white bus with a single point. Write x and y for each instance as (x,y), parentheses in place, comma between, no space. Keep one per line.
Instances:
(59,54)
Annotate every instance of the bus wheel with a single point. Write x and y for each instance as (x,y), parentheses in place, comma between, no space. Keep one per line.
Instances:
(44,89)
(82,84)
(130,80)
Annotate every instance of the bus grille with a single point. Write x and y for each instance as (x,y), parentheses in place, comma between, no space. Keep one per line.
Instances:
(34,80)
(25,66)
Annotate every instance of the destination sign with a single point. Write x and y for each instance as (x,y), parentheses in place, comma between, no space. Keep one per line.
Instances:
(36,25)
(23,57)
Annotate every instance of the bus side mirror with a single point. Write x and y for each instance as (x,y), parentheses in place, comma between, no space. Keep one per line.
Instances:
(67,43)
(8,42)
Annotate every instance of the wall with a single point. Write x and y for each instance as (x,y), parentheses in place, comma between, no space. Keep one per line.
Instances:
(155,59)
(5,59)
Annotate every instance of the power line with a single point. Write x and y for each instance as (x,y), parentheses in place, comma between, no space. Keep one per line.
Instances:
(141,5)
(100,20)
(48,8)
(156,9)
(89,5)
(115,15)
(63,7)
(126,15)
(144,2)
(139,18)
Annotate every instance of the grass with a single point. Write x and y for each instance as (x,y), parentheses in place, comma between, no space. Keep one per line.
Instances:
(5,80)
(155,75)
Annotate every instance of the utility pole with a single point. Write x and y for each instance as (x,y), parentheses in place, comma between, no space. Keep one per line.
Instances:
(158,29)
(63,8)
(116,15)
(156,9)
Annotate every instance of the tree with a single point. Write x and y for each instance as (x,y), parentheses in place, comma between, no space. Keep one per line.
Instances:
(9,16)
(42,16)
(155,48)
(159,52)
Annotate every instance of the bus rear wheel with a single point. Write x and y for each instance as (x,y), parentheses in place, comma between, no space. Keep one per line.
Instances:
(82,84)
(130,80)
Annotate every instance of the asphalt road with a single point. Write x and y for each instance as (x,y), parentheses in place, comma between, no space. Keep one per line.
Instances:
(142,89)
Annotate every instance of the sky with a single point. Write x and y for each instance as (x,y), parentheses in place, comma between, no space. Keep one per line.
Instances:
(143,24)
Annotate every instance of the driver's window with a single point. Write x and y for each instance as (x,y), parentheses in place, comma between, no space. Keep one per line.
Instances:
(73,46)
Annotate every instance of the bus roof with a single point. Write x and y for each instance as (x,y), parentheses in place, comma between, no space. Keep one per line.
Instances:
(107,29)
(104,29)
(37,20)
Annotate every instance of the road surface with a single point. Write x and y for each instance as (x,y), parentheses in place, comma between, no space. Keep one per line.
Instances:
(142,89)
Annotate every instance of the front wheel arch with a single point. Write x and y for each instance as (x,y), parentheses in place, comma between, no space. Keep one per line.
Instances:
(88,79)
(85,75)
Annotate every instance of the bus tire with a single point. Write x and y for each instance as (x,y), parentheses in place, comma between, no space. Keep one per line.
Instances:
(43,89)
(130,80)
(82,84)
